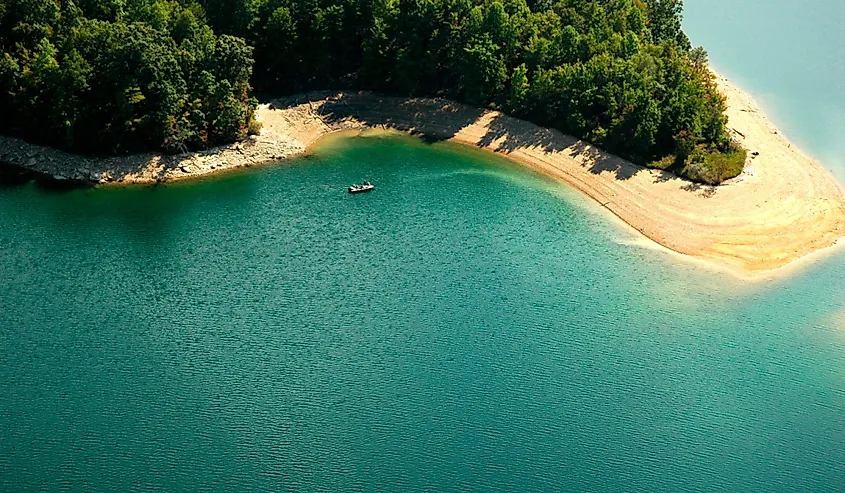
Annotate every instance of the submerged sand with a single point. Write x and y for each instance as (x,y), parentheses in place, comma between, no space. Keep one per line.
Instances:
(783,207)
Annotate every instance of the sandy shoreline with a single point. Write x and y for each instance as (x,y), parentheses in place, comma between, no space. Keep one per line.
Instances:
(783,207)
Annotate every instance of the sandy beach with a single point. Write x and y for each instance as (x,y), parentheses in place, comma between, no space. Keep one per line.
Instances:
(783,207)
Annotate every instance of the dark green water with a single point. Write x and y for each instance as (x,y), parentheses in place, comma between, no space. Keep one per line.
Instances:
(468,326)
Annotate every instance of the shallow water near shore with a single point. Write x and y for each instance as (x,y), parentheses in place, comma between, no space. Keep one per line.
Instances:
(469,325)
(790,56)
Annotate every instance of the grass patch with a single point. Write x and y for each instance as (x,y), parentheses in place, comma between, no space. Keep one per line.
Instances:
(712,166)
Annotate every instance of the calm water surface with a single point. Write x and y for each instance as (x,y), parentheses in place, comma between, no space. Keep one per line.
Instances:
(791,56)
(468,326)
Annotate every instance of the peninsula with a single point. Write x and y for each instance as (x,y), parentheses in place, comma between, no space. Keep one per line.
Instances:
(609,97)
(782,207)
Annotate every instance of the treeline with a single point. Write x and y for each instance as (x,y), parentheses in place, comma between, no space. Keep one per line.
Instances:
(115,76)
(119,74)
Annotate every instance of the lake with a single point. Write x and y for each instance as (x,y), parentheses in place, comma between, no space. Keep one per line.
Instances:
(467,326)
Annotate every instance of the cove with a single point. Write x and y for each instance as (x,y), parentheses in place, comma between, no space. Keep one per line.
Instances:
(469,325)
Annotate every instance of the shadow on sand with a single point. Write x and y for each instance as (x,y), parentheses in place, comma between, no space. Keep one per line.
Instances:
(435,119)
(432,119)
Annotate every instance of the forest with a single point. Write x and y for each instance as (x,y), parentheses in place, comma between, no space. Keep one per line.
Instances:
(122,76)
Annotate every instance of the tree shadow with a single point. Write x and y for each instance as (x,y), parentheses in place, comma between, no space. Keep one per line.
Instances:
(54,169)
(12,176)
(603,162)
(437,119)
(508,134)
(664,176)
(705,191)
(432,119)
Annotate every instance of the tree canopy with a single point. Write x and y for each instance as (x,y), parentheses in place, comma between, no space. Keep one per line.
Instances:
(122,75)
(112,76)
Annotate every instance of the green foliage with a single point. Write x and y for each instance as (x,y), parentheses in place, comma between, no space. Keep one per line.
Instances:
(254,127)
(664,22)
(122,75)
(518,89)
(619,73)
(482,71)
(713,167)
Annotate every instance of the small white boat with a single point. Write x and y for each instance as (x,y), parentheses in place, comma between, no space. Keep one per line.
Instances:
(364,187)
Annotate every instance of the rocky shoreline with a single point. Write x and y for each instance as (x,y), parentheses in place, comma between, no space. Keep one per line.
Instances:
(290,125)
(59,166)
(783,210)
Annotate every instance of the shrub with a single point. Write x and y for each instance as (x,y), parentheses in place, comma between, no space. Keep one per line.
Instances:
(253,127)
(663,164)
(713,167)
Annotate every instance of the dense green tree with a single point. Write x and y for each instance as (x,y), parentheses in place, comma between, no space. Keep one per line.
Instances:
(665,21)
(123,75)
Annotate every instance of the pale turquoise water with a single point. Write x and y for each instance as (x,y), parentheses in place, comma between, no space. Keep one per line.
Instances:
(791,56)
(468,326)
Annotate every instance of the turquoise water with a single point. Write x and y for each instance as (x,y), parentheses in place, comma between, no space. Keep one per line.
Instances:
(791,56)
(468,326)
